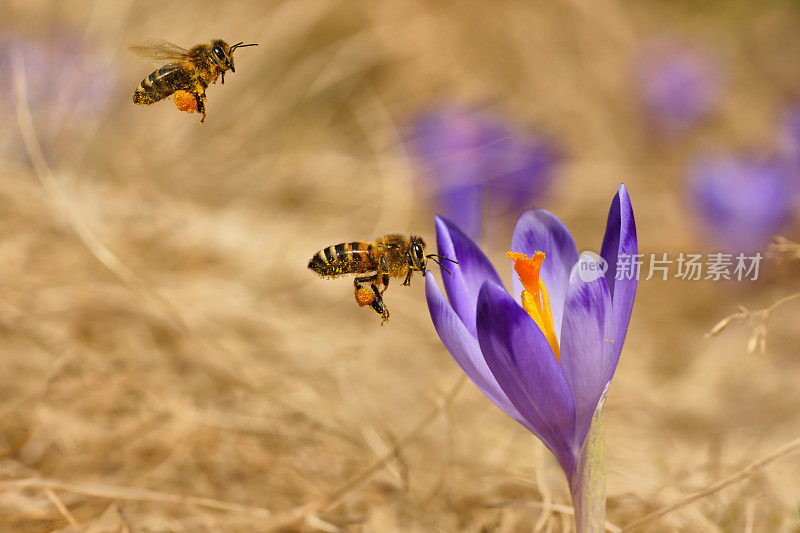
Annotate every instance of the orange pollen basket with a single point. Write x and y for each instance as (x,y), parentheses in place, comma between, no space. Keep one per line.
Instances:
(535,299)
(185,101)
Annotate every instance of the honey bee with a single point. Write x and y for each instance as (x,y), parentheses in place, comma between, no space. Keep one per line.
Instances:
(390,256)
(186,70)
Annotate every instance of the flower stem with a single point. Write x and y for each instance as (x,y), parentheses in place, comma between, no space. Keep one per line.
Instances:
(588,485)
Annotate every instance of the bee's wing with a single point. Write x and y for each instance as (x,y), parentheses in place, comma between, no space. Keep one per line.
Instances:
(159,50)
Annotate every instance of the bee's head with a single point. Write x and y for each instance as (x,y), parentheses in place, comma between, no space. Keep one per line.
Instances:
(222,53)
(417,254)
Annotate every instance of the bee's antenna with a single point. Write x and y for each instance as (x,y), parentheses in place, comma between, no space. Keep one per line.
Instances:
(433,257)
(242,45)
(441,265)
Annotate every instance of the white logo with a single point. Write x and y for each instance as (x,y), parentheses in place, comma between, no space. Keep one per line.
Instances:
(591,266)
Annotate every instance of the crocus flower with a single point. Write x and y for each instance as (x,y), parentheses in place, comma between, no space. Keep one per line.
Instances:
(677,85)
(544,354)
(475,162)
(742,201)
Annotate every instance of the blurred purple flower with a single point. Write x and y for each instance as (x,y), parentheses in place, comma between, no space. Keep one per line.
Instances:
(546,355)
(65,81)
(678,86)
(477,162)
(743,200)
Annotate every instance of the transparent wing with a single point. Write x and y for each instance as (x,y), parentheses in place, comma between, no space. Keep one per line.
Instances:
(159,50)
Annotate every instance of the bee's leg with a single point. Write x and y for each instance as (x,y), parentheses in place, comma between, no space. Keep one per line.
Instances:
(378,306)
(362,295)
(385,281)
(374,300)
(407,281)
(223,77)
(200,97)
(382,272)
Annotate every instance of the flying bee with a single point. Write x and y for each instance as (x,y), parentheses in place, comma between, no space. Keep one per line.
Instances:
(186,70)
(375,262)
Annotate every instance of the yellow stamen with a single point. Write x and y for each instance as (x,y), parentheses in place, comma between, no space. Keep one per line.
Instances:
(535,299)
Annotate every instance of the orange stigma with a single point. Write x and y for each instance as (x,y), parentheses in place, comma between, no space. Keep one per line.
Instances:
(535,299)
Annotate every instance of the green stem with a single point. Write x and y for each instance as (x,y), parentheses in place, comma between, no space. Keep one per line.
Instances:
(588,485)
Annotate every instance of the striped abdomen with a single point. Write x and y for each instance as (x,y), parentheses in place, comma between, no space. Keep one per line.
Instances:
(343,258)
(162,83)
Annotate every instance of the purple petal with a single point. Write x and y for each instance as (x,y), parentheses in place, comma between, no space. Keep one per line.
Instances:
(540,230)
(521,360)
(466,278)
(464,348)
(586,343)
(620,244)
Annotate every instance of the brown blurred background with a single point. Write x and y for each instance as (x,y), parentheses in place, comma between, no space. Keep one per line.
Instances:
(160,329)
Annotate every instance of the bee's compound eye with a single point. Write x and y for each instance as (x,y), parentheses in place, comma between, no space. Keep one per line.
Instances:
(418,251)
(218,52)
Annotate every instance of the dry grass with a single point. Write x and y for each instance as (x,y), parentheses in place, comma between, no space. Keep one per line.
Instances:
(169,364)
